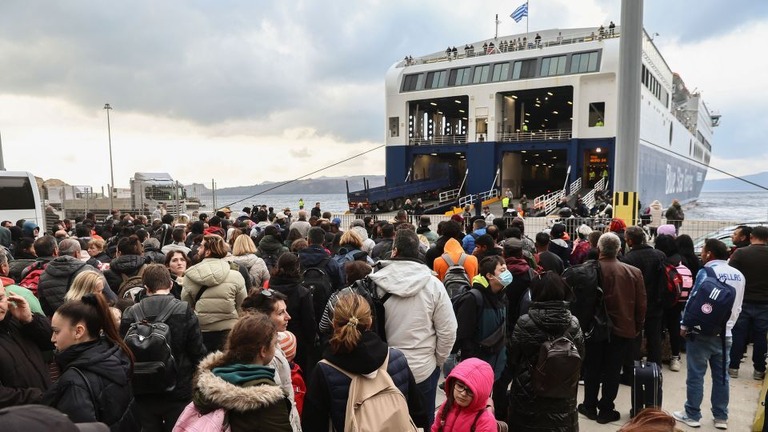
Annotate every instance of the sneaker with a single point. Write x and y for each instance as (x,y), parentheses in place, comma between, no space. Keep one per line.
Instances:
(607,417)
(674,364)
(721,424)
(758,375)
(682,417)
(590,414)
(734,373)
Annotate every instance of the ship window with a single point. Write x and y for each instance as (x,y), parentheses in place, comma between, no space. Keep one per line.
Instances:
(436,79)
(481,74)
(597,114)
(394,127)
(584,62)
(500,72)
(413,82)
(553,66)
(459,77)
(524,69)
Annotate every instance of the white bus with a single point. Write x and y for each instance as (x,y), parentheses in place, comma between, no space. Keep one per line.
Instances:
(20,198)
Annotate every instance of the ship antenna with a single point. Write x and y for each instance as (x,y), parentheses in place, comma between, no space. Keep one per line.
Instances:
(496,37)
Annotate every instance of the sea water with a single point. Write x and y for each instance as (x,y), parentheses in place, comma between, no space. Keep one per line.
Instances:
(335,203)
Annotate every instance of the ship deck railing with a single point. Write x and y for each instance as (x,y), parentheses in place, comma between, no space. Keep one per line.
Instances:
(574,187)
(556,134)
(512,45)
(449,195)
(440,139)
(549,201)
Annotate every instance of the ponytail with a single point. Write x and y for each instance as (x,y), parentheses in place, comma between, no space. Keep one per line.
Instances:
(351,317)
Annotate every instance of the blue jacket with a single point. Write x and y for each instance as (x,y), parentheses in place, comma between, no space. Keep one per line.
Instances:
(468,242)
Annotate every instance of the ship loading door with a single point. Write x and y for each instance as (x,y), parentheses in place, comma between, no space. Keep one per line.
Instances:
(533,172)
(596,166)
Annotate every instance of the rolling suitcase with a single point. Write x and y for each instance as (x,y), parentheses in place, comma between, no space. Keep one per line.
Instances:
(646,386)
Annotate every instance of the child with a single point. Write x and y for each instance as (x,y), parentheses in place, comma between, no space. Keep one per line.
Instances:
(467,388)
(287,341)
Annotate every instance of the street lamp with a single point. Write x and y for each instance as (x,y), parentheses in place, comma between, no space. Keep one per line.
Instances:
(107,107)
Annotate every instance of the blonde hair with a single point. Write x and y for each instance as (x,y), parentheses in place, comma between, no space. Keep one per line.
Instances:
(84,283)
(351,238)
(351,317)
(99,243)
(243,246)
(650,420)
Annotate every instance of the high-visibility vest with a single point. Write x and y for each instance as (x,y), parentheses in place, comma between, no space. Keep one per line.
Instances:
(505,202)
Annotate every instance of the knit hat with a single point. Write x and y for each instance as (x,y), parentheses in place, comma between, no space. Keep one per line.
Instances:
(287,342)
(557,231)
(667,229)
(585,230)
(457,218)
(336,221)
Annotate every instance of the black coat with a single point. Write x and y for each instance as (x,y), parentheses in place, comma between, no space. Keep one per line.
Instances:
(128,265)
(23,373)
(56,280)
(186,342)
(107,370)
(528,412)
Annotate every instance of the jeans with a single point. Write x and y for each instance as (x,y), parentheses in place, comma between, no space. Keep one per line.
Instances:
(701,350)
(602,365)
(428,389)
(753,317)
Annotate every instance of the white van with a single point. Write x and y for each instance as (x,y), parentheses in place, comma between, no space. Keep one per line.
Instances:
(20,198)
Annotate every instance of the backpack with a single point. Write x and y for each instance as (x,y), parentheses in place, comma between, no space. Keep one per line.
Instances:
(709,306)
(556,374)
(375,404)
(455,280)
(131,285)
(588,304)
(269,259)
(318,282)
(192,420)
(154,370)
(671,283)
(163,234)
(687,277)
(32,278)
(367,289)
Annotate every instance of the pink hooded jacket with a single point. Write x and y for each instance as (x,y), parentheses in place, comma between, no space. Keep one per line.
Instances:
(478,376)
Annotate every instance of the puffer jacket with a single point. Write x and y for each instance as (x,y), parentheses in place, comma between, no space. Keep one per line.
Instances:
(270,245)
(257,405)
(56,280)
(328,389)
(106,397)
(477,375)
(256,266)
(15,267)
(23,375)
(219,304)
(545,320)
(128,265)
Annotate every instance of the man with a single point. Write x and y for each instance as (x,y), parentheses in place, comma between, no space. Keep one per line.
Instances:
(740,237)
(419,318)
(675,215)
(752,262)
(478,229)
(383,249)
(23,337)
(158,412)
(59,274)
(214,227)
(558,245)
(12,288)
(453,248)
(424,223)
(487,215)
(649,261)
(485,246)
(447,230)
(179,237)
(316,212)
(701,349)
(546,259)
(625,303)
(315,254)
(302,225)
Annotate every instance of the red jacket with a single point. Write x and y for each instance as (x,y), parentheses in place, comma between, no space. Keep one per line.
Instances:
(478,376)
(299,387)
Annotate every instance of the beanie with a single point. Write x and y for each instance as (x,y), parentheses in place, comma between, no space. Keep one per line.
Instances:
(287,342)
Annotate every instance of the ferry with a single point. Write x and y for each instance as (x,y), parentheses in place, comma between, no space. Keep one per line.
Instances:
(535,114)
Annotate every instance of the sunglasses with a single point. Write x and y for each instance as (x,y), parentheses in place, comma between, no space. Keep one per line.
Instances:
(266,292)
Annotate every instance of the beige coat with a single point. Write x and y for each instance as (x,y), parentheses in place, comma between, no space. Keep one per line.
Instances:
(220,303)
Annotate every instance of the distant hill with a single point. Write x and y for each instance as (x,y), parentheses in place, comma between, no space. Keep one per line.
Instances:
(321,185)
(736,185)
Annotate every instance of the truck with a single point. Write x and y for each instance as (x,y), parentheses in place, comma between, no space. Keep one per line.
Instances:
(390,198)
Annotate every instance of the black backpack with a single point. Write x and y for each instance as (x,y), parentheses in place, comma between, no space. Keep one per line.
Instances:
(154,370)
(367,289)
(455,280)
(588,304)
(557,370)
(317,280)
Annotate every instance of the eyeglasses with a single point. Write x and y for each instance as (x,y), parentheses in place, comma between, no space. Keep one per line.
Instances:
(461,388)
(266,292)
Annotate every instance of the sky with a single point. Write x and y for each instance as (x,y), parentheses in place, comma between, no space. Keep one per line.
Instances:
(245,92)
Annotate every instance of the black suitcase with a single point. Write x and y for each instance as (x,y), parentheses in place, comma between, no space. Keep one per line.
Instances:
(646,386)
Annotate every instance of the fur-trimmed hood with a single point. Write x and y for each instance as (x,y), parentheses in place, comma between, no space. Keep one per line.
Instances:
(213,391)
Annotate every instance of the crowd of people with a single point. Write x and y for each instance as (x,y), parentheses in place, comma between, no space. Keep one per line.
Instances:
(275,323)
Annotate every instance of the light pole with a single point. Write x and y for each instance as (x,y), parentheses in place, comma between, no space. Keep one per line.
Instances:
(107,107)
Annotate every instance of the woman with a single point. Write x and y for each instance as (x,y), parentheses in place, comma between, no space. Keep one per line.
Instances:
(350,249)
(177,263)
(548,318)
(96,250)
(286,279)
(86,282)
(357,350)
(273,304)
(293,235)
(96,371)
(241,381)
(687,254)
(244,253)
(214,291)
(672,314)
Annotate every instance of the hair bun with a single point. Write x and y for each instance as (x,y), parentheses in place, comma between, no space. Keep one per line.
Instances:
(90,299)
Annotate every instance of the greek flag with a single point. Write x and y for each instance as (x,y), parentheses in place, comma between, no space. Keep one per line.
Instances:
(520,12)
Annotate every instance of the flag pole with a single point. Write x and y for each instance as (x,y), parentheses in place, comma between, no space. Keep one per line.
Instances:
(496,37)
(527,15)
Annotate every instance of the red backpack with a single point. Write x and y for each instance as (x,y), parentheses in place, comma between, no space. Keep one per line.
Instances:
(32,278)
(672,285)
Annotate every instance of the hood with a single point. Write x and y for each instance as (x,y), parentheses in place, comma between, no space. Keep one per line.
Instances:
(270,244)
(366,358)
(453,247)
(127,264)
(402,278)
(656,205)
(248,260)
(551,316)
(480,280)
(287,286)
(100,357)
(517,266)
(559,242)
(7,281)
(478,376)
(312,256)
(212,390)
(209,272)
(63,266)
(361,232)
